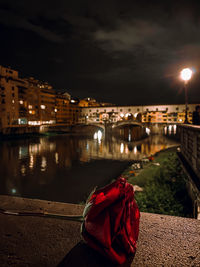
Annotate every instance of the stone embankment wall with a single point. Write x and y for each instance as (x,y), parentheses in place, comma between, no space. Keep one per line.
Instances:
(20,130)
(190,156)
(36,241)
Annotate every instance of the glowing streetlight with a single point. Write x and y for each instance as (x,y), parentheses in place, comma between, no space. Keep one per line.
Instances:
(186,75)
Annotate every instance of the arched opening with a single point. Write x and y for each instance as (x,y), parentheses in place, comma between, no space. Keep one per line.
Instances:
(129,116)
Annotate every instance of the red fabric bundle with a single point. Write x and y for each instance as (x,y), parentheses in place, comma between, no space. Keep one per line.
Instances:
(111,223)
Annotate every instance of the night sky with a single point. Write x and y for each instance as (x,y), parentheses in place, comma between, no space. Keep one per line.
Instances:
(124,52)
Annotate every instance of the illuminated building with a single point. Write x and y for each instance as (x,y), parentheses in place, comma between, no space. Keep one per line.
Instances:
(91,102)
(88,102)
(75,111)
(29,102)
(47,102)
(9,112)
(62,109)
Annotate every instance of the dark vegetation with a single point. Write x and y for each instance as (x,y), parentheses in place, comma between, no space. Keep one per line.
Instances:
(164,186)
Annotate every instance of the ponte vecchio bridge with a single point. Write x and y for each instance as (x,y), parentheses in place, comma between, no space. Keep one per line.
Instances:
(155,117)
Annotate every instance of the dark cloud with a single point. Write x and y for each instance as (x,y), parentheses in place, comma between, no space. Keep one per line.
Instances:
(17,18)
(117,51)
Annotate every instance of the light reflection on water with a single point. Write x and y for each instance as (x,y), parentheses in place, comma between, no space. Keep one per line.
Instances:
(55,167)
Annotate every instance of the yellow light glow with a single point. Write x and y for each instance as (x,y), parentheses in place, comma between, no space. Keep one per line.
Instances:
(98,136)
(34,122)
(121,148)
(31,162)
(13,191)
(127,114)
(186,74)
(56,158)
(148,131)
(43,164)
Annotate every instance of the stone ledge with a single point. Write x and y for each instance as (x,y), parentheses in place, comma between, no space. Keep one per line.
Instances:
(35,241)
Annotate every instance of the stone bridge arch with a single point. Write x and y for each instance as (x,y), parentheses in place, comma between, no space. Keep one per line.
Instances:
(97,125)
(88,128)
(129,130)
(126,123)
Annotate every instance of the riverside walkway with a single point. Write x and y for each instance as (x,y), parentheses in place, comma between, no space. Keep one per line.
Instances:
(36,241)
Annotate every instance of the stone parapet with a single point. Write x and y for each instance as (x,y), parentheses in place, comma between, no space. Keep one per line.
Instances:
(190,157)
(37,241)
(190,146)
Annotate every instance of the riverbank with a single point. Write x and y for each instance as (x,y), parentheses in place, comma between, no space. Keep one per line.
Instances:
(35,241)
(161,185)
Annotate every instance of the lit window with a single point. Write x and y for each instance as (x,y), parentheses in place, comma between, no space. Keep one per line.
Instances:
(21,102)
(30,106)
(55,110)
(22,121)
(13,101)
(43,106)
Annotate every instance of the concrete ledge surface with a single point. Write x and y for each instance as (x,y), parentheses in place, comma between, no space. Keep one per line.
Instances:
(35,241)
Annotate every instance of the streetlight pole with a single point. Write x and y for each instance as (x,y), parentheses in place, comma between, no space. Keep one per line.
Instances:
(186,75)
(186,103)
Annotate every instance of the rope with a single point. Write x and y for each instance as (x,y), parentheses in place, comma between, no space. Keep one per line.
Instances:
(77,218)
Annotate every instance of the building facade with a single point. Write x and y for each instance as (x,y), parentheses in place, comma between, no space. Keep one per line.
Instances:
(9,108)
(27,101)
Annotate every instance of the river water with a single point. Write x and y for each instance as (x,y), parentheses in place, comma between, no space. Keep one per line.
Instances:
(66,168)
